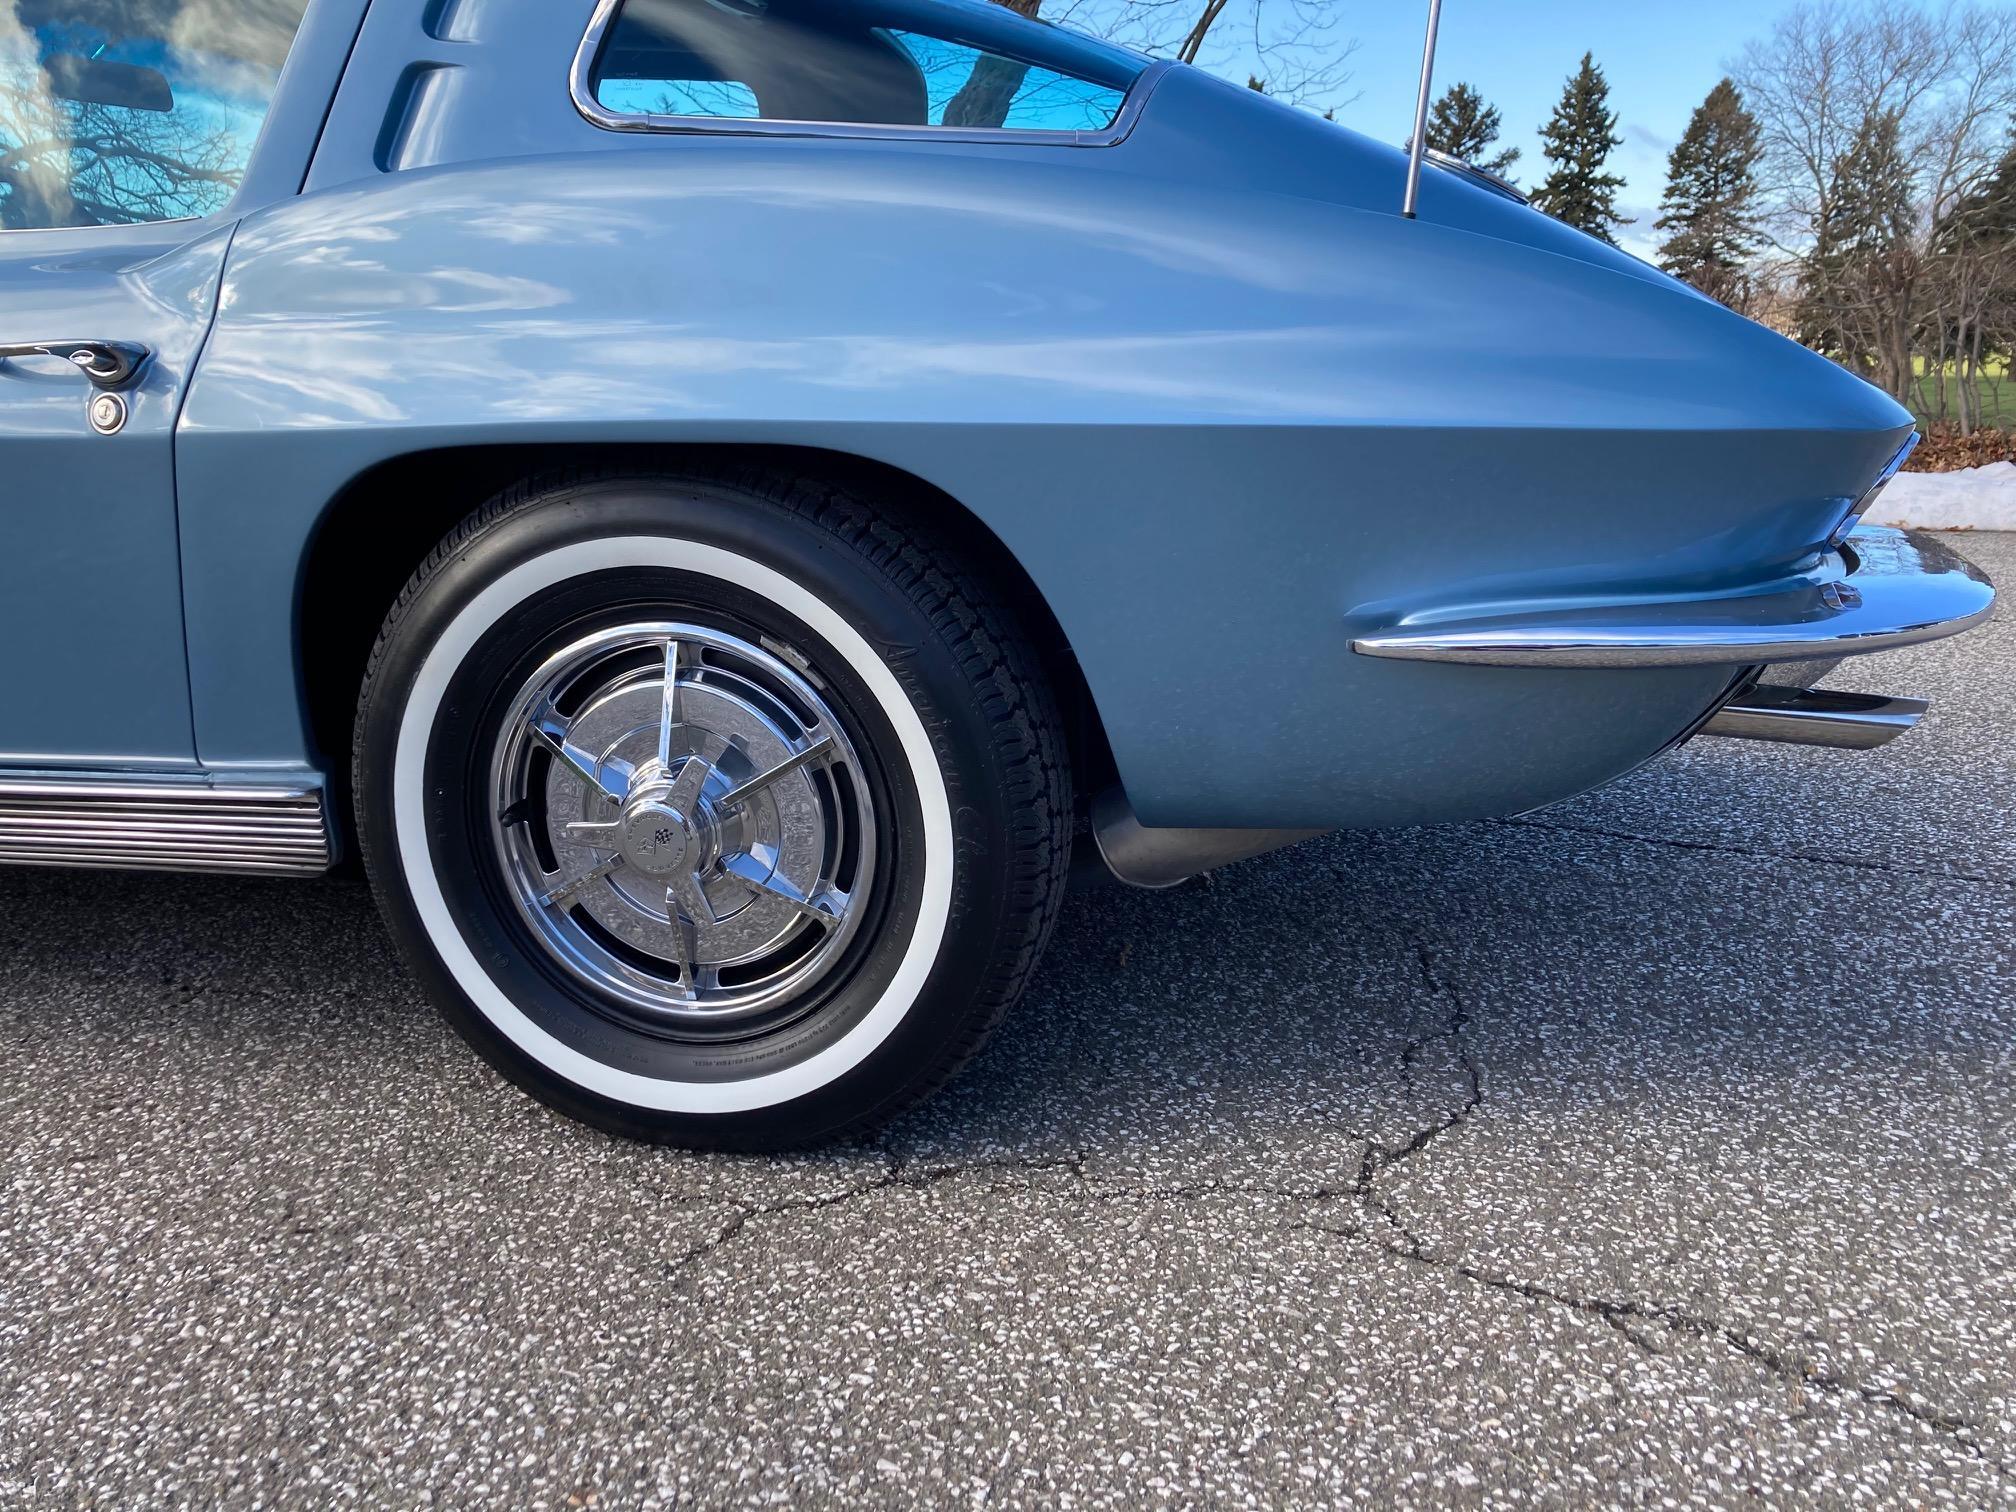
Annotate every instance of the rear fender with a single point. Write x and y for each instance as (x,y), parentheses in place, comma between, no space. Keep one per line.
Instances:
(1213,423)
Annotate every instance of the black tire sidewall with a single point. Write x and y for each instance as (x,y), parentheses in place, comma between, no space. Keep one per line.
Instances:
(470,720)
(940,1024)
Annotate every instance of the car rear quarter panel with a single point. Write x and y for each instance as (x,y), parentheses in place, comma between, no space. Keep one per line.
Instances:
(1224,427)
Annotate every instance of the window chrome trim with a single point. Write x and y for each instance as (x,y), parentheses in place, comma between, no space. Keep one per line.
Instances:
(1483,177)
(222,217)
(581,85)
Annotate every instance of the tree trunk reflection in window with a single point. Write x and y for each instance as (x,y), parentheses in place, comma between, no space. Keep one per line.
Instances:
(114,112)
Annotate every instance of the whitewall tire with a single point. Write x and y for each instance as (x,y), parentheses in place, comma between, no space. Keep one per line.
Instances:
(648,786)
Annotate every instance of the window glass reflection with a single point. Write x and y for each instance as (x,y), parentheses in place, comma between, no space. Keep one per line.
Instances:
(114,112)
(867,62)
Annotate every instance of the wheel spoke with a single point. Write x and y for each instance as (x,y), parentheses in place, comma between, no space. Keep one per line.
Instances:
(685,791)
(818,750)
(575,761)
(668,713)
(690,898)
(685,936)
(566,892)
(748,873)
(731,748)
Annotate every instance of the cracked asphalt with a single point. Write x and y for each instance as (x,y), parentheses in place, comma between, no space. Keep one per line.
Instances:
(1654,1149)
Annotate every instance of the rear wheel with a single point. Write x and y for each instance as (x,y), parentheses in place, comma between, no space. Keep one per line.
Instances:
(725,813)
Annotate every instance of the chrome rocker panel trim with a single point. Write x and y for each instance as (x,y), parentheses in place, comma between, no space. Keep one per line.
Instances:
(104,820)
(1898,588)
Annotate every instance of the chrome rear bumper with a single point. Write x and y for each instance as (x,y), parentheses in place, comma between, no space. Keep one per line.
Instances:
(1883,589)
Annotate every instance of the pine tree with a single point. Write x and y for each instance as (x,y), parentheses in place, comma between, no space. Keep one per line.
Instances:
(1998,199)
(1711,181)
(1577,139)
(1464,126)
(1871,207)
(1855,291)
(1989,213)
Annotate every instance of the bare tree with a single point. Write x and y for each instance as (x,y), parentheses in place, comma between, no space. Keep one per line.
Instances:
(1862,281)
(1880,123)
(79,162)
(1971,292)
(984,99)
(93,165)
(1303,55)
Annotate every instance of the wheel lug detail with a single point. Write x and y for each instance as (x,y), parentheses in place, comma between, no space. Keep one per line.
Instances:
(703,811)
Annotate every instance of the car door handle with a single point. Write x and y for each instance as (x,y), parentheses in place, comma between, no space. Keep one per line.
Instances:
(110,365)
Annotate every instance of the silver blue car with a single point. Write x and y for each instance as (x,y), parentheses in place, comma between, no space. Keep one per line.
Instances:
(715,501)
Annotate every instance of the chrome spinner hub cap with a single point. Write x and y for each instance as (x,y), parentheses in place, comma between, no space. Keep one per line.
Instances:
(683,823)
(655,837)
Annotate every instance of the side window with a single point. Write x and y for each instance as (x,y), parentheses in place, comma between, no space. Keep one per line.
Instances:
(955,63)
(115,112)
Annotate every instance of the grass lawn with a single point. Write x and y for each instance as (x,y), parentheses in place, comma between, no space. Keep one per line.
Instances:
(1998,394)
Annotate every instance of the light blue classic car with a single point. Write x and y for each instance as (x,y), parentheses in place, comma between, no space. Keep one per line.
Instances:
(714,500)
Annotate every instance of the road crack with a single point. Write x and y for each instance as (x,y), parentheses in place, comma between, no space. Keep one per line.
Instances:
(896,1174)
(1379,1157)
(1640,1323)
(1717,847)
(1633,1319)
(1636,1321)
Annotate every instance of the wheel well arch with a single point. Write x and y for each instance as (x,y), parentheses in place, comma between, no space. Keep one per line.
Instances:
(381,525)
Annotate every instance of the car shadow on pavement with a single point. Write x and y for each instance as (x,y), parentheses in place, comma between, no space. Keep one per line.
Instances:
(1305,1002)
(1290,998)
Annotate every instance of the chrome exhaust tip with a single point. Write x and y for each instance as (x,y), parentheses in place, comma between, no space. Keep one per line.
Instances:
(1157,858)
(1816,716)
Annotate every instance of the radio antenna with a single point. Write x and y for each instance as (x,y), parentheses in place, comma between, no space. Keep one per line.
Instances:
(1419,143)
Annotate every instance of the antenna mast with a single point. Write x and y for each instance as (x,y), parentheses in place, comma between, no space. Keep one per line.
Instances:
(1419,144)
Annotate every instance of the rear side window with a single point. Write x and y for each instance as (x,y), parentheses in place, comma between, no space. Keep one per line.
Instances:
(960,64)
(114,112)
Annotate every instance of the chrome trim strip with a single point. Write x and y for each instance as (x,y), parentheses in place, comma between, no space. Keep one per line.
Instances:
(1894,467)
(148,225)
(1870,494)
(1484,178)
(1896,589)
(1816,716)
(147,823)
(580,85)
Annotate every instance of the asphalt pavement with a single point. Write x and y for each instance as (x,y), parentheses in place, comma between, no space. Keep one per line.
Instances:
(1654,1149)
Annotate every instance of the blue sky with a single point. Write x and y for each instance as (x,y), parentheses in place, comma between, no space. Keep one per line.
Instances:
(1661,61)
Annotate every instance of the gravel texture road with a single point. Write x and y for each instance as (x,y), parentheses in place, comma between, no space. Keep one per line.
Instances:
(1657,1146)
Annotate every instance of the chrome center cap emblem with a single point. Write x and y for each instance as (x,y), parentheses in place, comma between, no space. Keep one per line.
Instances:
(655,838)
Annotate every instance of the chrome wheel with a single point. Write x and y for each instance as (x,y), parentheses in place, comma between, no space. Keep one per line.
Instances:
(684,825)
(724,813)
